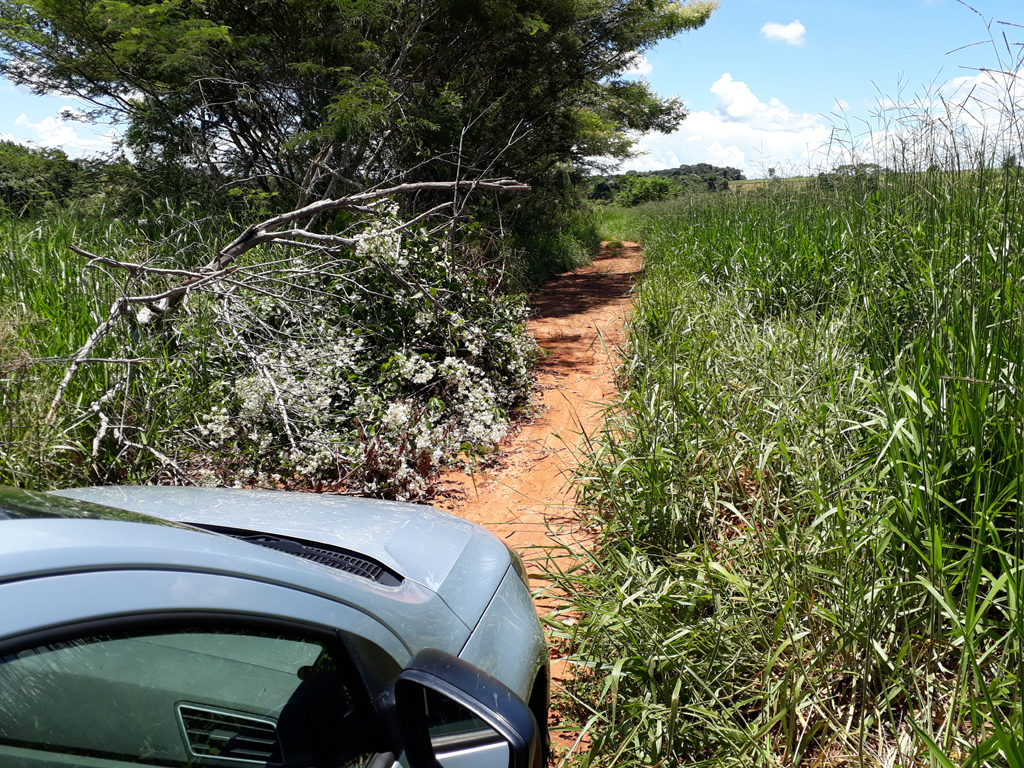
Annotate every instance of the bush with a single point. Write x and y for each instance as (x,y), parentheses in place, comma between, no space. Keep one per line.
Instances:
(30,178)
(636,190)
(373,370)
(555,245)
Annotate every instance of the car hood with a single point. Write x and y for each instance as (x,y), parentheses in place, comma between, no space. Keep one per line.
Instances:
(460,561)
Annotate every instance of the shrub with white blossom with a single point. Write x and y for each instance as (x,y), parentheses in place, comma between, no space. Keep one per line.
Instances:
(367,369)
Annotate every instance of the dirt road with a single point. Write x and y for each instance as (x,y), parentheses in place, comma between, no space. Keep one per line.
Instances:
(522,495)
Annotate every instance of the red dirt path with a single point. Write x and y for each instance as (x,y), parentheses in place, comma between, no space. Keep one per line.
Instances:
(522,496)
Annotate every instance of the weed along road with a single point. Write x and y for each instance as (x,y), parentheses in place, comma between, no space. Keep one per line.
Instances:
(522,493)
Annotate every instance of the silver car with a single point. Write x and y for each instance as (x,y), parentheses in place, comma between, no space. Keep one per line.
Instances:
(216,627)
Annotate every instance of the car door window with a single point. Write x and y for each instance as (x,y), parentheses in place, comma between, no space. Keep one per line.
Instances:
(183,697)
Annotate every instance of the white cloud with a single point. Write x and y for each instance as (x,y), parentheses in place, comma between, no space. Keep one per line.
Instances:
(737,103)
(735,100)
(731,156)
(743,132)
(946,123)
(62,132)
(639,67)
(791,34)
(990,96)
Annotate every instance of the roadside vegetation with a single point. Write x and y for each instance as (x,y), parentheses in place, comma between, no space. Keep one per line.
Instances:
(144,338)
(638,187)
(810,491)
(361,369)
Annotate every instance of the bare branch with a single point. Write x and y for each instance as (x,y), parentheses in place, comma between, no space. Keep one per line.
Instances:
(116,310)
(270,231)
(264,372)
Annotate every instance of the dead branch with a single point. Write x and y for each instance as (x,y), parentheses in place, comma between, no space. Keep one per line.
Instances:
(264,372)
(271,229)
(275,230)
(116,310)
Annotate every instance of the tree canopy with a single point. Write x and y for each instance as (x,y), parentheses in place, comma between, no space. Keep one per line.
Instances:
(309,98)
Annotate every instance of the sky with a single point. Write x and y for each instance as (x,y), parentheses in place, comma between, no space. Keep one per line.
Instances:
(775,83)
(767,83)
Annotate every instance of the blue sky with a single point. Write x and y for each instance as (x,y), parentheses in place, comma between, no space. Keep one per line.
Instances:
(31,119)
(765,81)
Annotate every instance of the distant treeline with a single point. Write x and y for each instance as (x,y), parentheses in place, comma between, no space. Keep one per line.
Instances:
(636,187)
(32,178)
(35,181)
(29,178)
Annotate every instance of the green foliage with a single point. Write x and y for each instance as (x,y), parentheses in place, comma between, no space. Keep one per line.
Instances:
(30,178)
(567,241)
(268,105)
(304,99)
(863,176)
(811,489)
(48,307)
(636,188)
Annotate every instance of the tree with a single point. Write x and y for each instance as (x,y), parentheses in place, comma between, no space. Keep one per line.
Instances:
(635,187)
(302,99)
(636,190)
(31,177)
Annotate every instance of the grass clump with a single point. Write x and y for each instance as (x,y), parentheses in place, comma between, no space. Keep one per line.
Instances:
(811,488)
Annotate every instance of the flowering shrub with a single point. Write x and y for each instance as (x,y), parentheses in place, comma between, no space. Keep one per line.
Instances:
(369,368)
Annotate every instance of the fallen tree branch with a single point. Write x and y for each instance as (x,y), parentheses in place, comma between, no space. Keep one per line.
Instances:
(116,310)
(270,231)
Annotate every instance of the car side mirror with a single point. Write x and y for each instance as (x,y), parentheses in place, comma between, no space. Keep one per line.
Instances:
(452,714)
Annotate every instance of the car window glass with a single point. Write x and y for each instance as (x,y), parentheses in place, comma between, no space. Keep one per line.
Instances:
(182,698)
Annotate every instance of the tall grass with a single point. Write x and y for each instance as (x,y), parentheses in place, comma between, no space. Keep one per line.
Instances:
(49,305)
(811,486)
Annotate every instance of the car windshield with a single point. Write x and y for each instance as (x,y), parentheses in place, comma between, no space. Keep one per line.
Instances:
(16,504)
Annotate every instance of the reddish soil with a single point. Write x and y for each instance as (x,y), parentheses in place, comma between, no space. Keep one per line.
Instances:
(521,494)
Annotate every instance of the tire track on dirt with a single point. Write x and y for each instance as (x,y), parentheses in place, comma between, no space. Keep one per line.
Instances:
(522,493)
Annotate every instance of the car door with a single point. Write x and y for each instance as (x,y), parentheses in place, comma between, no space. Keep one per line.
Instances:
(187,669)
(205,687)
(185,693)
(126,644)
